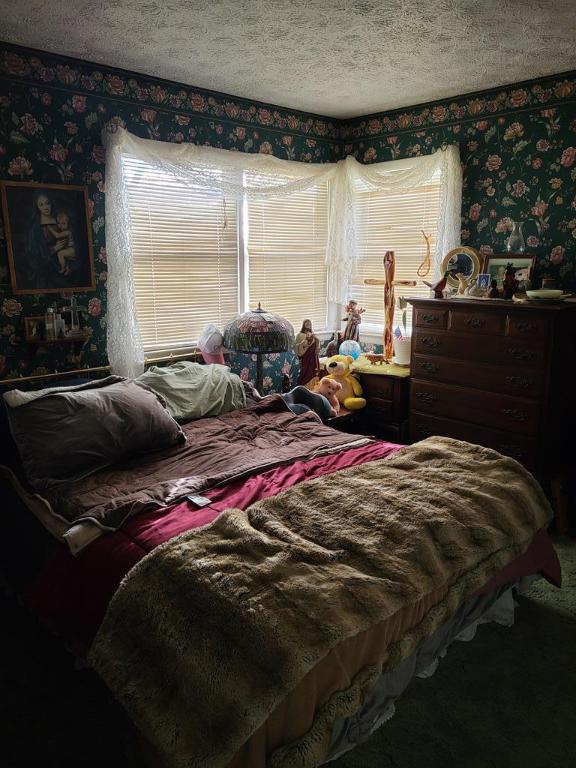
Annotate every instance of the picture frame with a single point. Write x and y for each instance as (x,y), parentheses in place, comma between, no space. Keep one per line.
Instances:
(48,237)
(34,328)
(463,259)
(484,281)
(495,265)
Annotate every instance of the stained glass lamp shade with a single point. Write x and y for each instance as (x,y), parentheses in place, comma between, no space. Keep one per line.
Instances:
(259,332)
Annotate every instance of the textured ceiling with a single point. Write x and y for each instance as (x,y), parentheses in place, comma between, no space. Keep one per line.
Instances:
(338,58)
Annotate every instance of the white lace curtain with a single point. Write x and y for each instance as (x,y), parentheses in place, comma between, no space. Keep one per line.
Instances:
(240,175)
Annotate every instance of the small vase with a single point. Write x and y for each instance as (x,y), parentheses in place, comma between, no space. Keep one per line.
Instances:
(515,242)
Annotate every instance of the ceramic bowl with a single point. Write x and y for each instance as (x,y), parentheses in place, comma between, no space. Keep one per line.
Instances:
(544,293)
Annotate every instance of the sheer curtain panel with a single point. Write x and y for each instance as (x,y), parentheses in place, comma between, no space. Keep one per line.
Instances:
(237,176)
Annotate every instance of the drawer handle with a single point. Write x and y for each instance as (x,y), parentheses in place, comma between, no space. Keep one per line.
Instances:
(515,414)
(519,382)
(430,367)
(475,322)
(525,327)
(521,354)
(430,318)
(426,397)
(431,342)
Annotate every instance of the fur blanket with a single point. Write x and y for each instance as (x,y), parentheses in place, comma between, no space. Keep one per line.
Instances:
(209,632)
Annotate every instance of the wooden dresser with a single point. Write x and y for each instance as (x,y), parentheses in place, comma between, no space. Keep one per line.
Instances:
(499,374)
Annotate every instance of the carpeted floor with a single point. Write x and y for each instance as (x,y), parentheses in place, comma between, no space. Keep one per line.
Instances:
(505,700)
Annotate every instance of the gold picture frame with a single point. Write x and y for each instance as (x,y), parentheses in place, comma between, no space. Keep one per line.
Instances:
(48,237)
(452,256)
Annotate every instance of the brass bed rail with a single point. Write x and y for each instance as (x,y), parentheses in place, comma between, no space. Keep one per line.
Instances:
(97,369)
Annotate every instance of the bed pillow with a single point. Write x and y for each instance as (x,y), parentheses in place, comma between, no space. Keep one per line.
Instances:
(9,456)
(71,432)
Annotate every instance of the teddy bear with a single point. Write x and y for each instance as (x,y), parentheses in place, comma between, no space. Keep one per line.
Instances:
(329,388)
(338,368)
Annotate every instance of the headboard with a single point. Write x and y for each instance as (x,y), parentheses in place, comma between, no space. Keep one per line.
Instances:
(80,375)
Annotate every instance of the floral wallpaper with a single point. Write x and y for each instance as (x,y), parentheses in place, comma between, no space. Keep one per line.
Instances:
(52,112)
(518,150)
(517,144)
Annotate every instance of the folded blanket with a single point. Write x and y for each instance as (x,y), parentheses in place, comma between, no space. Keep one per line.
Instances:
(192,391)
(208,633)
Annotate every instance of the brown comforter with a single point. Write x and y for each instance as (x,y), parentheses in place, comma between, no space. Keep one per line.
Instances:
(218,450)
(211,630)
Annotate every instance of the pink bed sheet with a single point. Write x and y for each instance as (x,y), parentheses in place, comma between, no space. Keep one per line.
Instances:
(72,593)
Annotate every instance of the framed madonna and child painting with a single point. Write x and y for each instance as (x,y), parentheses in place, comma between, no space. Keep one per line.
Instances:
(48,237)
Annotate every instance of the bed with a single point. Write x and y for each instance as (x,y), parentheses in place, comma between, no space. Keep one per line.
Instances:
(277,623)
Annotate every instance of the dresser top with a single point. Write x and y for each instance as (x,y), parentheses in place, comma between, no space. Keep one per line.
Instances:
(522,306)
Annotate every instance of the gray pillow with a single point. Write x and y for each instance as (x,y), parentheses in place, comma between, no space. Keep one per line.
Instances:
(70,433)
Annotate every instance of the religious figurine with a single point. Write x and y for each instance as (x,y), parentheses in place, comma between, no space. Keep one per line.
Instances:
(307,348)
(353,319)
(509,284)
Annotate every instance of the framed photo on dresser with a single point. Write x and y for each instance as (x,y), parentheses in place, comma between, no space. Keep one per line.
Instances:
(496,265)
(48,236)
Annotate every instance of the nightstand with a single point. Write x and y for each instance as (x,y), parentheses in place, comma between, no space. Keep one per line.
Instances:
(348,421)
(386,389)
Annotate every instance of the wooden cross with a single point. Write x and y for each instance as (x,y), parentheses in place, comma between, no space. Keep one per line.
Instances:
(389,283)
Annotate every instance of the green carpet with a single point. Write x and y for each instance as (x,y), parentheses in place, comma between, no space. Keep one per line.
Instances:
(505,700)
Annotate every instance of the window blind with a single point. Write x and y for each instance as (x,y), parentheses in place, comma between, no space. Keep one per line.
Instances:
(185,256)
(392,221)
(286,253)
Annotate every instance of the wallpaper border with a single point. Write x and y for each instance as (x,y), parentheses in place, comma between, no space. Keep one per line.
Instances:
(514,98)
(31,67)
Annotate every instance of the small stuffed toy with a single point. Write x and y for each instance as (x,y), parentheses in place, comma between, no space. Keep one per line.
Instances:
(338,367)
(329,388)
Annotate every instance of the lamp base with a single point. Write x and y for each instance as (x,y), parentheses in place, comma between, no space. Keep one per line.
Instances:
(259,373)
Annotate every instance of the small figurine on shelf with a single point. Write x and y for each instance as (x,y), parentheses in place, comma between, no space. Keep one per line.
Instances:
(353,319)
(509,284)
(462,283)
(438,287)
(334,344)
(494,292)
(307,349)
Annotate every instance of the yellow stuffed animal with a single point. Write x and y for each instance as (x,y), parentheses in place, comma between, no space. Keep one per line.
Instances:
(338,368)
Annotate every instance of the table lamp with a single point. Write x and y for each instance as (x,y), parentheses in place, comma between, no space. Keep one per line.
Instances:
(258,332)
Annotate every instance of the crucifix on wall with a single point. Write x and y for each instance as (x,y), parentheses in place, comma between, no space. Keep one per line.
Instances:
(389,283)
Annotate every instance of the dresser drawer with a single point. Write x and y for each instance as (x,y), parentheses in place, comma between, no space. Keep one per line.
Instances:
(519,447)
(513,352)
(494,410)
(527,326)
(386,397)
(484,323)
(380,409)
(525,383)
(375,385)
(431,318)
